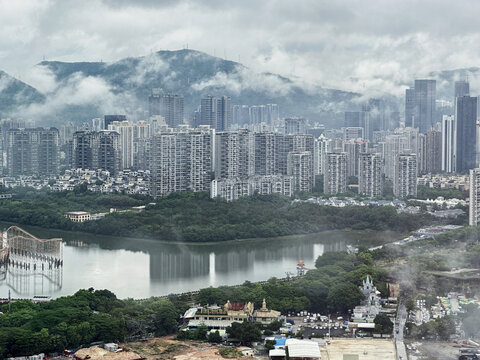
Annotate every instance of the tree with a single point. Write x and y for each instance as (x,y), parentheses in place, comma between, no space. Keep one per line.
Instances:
(383,324)
(270,344)
(332,257)
(165,317)
(200,333)
(214,337)
(246,332)
(343,296)
(274,325)
(446,327)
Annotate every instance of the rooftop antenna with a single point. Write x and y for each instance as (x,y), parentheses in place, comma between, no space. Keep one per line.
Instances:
(225,53)
(214,52)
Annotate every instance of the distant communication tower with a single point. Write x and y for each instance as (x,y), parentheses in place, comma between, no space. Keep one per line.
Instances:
(301,269)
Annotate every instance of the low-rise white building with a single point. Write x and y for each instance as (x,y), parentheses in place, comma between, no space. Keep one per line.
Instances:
(78,216)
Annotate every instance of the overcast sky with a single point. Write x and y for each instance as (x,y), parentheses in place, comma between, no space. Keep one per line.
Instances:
(350,45)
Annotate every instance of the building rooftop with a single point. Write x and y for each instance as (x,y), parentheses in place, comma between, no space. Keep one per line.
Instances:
(303,349)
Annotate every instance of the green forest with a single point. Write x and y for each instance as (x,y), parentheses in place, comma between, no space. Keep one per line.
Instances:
(89,316)
(195,217)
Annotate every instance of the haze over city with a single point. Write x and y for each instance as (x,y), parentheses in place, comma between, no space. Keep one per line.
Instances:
(270,180)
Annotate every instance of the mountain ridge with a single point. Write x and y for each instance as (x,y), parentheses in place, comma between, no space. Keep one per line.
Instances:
(194,74)
(84,90)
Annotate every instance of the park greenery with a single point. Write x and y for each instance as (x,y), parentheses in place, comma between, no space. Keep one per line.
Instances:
(195,217)
(87,316)
(383,324)
(425,193)
(90,316)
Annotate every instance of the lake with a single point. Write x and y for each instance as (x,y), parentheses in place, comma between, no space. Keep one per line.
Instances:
(140,268)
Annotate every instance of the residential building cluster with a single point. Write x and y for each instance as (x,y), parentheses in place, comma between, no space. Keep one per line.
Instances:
(237,150)
(129,182)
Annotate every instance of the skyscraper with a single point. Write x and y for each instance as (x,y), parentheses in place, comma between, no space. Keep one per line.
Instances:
(96,150)
(155,102)
(462,88)
(170,106)
(404,139)
(181,160)
(108,119)
(353,133)
(425,95)
(32,151)
(474,213)
(410,107)
(448,143)
(224,114)
(234,154)
(125,130)
(216,112)
(465,133)
(300,166)
(433,151)
(241,115)
(353,149)
(323,146)
(405,180)
(335,180)
(258,114)
(294,126)
(352,119)
(370,182)
(272,113)
(266,153)
(172,109)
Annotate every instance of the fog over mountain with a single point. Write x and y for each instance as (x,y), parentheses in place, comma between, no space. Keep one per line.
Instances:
(15,94)
(351,45)
(81,90)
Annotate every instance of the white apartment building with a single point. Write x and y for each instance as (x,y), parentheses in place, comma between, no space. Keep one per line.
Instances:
(125,129)
(300,166)
(322,147)
(181,160)
(405,180)
(335,180)
(234,188)
(370,180)
(474,213)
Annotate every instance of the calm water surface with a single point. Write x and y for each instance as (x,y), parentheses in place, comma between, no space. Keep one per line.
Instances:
(140,268)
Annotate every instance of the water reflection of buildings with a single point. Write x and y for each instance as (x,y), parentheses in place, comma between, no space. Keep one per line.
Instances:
(28,265)
(170,263)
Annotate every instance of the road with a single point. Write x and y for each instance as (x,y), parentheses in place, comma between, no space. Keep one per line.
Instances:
(399,328)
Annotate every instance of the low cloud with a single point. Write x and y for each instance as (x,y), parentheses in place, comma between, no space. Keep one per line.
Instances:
(244,79)
(371,47)
(149,65)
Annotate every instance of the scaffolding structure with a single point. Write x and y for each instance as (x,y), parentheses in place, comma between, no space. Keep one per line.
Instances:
(29,264)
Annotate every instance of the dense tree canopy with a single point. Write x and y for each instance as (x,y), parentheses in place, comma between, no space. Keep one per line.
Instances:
(87,316)
(194,217)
